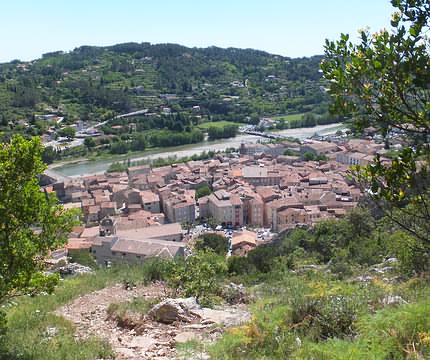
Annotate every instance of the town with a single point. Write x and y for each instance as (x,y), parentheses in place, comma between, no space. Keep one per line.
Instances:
(251,196)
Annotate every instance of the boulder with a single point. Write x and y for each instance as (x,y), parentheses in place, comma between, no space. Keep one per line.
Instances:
(234,294)
(171,310)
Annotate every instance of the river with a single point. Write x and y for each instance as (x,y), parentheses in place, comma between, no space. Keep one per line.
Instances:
(89,167)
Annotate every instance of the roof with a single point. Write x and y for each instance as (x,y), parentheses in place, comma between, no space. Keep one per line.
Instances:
(90,232)
(78,243)
(254,171)
(151,232)
(245,236)
(150,247)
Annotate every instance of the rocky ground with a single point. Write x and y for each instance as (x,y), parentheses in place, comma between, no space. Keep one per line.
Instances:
(151,339)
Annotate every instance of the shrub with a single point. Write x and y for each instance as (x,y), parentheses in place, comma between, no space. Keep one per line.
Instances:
(217,243)
(325,318)
(413,255)
(199,275)
(156,269)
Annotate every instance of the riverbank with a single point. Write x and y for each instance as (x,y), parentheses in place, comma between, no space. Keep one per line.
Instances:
(83,167)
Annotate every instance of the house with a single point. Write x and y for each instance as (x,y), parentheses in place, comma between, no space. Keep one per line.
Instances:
(261,176)
(136,245)
(290,218)
(224,207)
(114,249)
(318,148)
(138,170)
(243,242)
(354,158)
(150,201)
(179,205)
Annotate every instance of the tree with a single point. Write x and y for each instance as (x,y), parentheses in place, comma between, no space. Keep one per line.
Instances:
(89,142)
(49,155)
(309,156)
(383,82)
(67,132)
(203,190)
(215,242)
(199,275)
(31,222)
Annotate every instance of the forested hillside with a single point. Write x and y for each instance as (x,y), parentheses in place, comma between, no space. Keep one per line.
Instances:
(96,83)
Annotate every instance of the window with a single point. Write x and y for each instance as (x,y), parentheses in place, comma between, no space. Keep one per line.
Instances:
(113,253)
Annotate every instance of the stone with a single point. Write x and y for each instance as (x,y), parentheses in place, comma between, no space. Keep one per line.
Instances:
(234,293)
(393,300)
(171,310)
(227,317)
(128,353)
(185,336)
(141,342)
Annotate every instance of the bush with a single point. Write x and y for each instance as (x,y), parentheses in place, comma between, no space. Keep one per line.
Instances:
(199,275)
(156,269)
(413,255)
(320,319)
(217,243)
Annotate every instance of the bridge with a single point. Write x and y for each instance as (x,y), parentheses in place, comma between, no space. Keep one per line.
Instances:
(264,134)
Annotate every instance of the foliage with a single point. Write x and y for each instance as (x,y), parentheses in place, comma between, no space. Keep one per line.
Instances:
(213,241)
(383,82)
(29,317)
(82,256)
(31,222)
(118,166)
(68,132)
(414,256)
(89,142)
(203,190)
(218,132)
(94,84)
(199,275)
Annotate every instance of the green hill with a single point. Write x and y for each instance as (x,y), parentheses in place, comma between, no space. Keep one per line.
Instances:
(94,83)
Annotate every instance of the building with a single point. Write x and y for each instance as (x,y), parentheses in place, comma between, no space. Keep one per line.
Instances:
(318,148)
(261,176)
(354,158)
(290,218)
(243,242)
(136,245)
(179,206)
(224,207)
(138,170)
(150,201)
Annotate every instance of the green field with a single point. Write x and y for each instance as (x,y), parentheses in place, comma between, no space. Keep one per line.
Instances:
(290,117)
(207,125)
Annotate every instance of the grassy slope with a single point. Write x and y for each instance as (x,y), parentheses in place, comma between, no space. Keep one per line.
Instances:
(29,319)
(393,332)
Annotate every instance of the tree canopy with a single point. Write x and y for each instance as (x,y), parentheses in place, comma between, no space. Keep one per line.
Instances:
(217,243)
(384,82)
(31,222)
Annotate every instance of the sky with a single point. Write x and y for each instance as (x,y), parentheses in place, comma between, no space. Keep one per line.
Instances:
(293,28)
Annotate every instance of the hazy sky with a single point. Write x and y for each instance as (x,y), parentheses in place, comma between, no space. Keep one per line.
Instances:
(293,28)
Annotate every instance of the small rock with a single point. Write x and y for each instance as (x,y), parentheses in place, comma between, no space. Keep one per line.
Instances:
(142,342)
(185,336)
(393,300)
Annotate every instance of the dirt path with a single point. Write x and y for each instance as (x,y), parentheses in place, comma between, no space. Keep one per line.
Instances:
(89,314)
(152,340)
